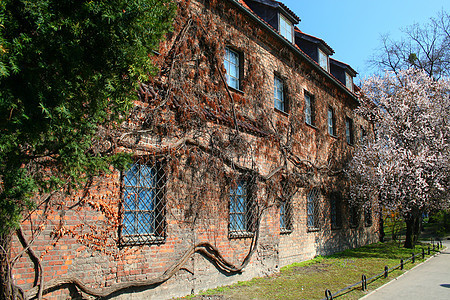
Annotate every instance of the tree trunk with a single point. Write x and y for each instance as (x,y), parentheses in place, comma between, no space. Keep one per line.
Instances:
(6,291)
(412,230)
(381,226)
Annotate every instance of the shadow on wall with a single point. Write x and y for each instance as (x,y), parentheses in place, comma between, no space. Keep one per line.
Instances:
(332,241)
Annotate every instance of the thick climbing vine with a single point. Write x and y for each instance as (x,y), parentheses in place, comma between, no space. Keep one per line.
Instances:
(208,137)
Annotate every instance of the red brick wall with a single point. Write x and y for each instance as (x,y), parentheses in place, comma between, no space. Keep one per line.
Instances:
(73,254)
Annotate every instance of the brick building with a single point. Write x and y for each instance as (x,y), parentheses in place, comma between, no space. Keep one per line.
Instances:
(238,146)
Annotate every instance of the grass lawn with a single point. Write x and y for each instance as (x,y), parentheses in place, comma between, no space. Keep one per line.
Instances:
(309,279)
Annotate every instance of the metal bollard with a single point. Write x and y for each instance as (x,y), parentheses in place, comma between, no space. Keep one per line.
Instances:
(401,264)
(328,294)
(423,253)
(433,247)
(428,250)
(413,258)
(386,271)
(363,282)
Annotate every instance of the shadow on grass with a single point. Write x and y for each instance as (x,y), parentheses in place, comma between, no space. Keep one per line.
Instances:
(390,250)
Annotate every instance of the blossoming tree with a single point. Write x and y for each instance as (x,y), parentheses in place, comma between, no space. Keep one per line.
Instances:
(407,164)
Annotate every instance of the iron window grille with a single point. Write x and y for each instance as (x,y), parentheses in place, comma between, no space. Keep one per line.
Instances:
(335,210)
(243,211)
(286,212)
(233,68)
(368,216)
(310,110)
(285,217)
(312,209)
(354,216)
(143,203)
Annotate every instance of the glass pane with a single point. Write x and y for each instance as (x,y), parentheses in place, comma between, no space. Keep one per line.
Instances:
(128,223)
(146,200)
(145,223)
(129,200)
(130,177)
(282,215)
(233,83)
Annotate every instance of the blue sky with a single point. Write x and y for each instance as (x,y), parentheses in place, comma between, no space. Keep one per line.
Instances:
(353,27)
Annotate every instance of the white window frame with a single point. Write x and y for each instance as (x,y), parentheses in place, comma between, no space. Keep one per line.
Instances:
(349,131)
(323,60)
(286,28)
(279,98)
(309,109)
(349,81)
(331,117)
(232,61)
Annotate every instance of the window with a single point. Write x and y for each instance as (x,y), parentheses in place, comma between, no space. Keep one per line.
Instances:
(335,210)
(363,134)
(285,217)
(323,59)
(331,122)
(354,216)
(285,207)
(279,97)
(349,130)
(286,28)
(309,109)
(241,210)
(143,205)
(349,81)
(312,209)
(368,215)
(233,68)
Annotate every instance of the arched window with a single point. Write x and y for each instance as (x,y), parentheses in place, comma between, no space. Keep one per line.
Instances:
(312,209)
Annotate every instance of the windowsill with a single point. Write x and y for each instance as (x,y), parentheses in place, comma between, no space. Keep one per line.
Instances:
(286,114)
(285,231)
(313,229)
(238,235)
(332,135)
(336,227)
(312,126)
(353,144)
(150,240)
(236,90)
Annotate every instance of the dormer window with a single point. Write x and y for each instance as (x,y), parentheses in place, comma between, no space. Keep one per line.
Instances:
(323,60)
(286,28)
(349,81)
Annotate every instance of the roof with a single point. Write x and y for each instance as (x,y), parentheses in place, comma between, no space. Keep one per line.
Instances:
(344,66)
(279,5)
(313,39)
(243,6)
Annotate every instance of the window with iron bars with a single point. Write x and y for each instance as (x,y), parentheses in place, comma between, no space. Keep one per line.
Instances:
(354,216)
(143,203)
(312,209)
(368,216)
(286,207)
(335,210)
(242,209)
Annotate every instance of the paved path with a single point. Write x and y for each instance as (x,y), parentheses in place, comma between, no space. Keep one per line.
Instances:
(430,280)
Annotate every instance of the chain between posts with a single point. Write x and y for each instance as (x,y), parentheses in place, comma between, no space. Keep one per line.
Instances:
(364,279)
